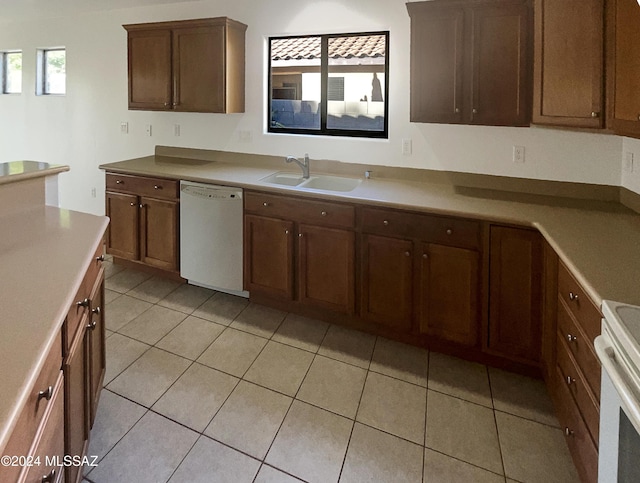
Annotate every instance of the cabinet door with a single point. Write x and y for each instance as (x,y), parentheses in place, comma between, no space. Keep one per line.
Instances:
(96,343)
(449,282)
(76,411)
(387,271)
(149,69)
(437,75)
(625,71)
(500,87)
(268,256)
(159,233)
(122,232)
(568,65)
(198,69)
(326,268)
(515,293)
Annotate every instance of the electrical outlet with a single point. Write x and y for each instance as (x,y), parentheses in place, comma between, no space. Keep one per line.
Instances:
(124,128)
(147,129)
(518,154)
(406,147)
(628,162)
(93,192)
(176,130)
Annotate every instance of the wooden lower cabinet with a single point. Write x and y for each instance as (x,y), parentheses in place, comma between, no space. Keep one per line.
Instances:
(268,256)
(515,293)
(144,214)
(387,281)
(449,291)
(96,347)
(326,268)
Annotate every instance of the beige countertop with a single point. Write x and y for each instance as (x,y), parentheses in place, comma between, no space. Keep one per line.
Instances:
(14,171)
(44,253)
(598,241)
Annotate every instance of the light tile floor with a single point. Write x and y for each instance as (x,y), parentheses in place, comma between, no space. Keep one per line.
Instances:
(204,386)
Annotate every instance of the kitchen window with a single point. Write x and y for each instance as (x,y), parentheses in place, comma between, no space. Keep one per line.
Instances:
(333,84)
(51,72)
(11,72)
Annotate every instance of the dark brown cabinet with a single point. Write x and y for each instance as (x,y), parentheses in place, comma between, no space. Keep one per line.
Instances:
(569,63)
(515,293)
(420,274)
(191,65)
(470,62)
(318,270)
(96,337)
(623,18)
(144,215)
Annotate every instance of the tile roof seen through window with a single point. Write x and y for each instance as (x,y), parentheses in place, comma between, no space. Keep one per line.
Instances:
(300,48)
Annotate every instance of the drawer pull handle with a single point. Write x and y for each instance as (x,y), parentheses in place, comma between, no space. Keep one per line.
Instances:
(83,303)
(385,223)
(92,325)
(50,478)
(568,432)
(96,311)
(324,213)
(449,231)
(573,297)
(119,181)
(571,338)
(265,204)
(46,394)
(157,187)
(570,380)
(100,258)
(407,254)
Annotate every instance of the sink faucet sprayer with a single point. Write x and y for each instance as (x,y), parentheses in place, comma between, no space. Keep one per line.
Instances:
(304,165)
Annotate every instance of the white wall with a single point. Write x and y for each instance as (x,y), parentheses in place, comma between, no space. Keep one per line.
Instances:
(82,129)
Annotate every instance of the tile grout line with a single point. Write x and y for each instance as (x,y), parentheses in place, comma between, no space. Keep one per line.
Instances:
(495,422)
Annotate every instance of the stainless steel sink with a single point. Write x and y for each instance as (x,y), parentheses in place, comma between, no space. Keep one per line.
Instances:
(318,182)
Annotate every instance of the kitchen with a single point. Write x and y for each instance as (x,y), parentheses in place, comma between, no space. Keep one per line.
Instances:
(91,114)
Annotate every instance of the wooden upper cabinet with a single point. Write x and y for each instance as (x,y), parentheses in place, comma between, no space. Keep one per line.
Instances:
(191,65)
(501,86)
(470,62)
(624,66)
(437,65)
(569,63)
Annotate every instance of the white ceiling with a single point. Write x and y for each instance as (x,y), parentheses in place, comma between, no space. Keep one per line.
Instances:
(12,10)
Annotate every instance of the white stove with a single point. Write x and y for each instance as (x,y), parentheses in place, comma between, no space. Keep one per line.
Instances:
(618,348)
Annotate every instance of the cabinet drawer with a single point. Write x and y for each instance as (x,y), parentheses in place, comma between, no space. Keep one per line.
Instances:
(153,187)
(34,410)
(580,348)
(579,304)
(437,229)
(316,212)
(574,379)
(583,451)
(49,441)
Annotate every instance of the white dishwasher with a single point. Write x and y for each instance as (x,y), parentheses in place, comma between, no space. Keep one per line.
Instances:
(211,236)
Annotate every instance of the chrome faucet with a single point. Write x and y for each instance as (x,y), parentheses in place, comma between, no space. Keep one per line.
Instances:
(304,165)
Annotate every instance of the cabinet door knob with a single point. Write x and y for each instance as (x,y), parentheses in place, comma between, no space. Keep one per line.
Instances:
(595,114)
(449,231)
(83,303)
(166,104)
(141,205)
(96,311)
(568,432)
(475,111)
(100,258)
(424,255)
(46,394)
(573,297)
(119,181)
(299,235)
(132,204)
(570,380)
(157,187)
(407,254)
(92,325)
(457,110)
(385,222)
(638,117)
(50,478)
(323,213)
(286,232)
(571,338)
(265,204)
